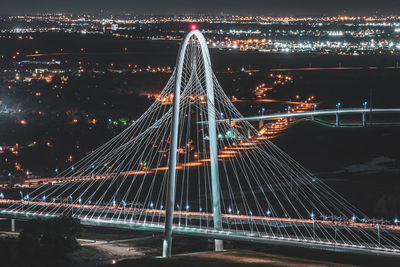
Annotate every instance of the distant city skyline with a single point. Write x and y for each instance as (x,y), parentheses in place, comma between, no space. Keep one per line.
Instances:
(249,7)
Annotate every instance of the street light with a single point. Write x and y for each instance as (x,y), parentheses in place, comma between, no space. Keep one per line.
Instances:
(315,107)
(1,195)
(365,104)
(251,221)
(268,212)
(262,111)
(338,105)
(312,215)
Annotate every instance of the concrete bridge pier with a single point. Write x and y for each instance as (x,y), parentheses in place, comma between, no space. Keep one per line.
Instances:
(363,119)
(337,119)
(12,225)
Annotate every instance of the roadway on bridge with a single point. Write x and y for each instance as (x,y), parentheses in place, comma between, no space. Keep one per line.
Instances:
(326,112)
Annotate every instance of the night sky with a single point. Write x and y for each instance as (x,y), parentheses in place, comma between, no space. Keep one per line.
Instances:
(217,7)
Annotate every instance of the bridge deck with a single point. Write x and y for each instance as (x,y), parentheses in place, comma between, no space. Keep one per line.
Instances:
(138,219)
(263,238)
(326,112)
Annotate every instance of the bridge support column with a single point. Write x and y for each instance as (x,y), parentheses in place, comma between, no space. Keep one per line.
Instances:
(170,205)
(363,119)
(212,130)
(169,219)
(337,119)
(12,225)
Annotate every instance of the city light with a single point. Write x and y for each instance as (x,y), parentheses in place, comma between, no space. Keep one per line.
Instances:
(193,27)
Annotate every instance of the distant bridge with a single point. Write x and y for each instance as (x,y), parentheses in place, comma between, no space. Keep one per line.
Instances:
(326,112)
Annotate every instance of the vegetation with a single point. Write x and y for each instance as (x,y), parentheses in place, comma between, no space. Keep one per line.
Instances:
(41,243)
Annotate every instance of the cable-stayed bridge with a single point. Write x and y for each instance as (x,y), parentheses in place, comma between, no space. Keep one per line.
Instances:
(182,168)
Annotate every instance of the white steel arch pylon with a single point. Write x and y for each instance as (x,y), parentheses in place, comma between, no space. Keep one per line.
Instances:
(170,200)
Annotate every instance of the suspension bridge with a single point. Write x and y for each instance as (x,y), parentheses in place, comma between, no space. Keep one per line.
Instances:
(182,168)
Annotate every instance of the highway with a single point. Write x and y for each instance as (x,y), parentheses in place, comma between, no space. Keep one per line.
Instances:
(325,112)
(228,218)
(225,234)
(333,68)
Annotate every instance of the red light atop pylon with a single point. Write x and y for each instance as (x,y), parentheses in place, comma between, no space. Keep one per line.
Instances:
(193,27)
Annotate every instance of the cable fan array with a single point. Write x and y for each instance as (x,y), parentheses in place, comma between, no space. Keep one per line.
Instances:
(264,192)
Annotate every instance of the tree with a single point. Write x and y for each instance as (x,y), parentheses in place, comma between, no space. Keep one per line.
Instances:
(47,242)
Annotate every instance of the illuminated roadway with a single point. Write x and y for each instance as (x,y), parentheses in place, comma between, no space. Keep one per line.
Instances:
(143,224)
(326,112)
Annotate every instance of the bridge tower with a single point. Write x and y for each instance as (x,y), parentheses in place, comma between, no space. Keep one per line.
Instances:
(215,186)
